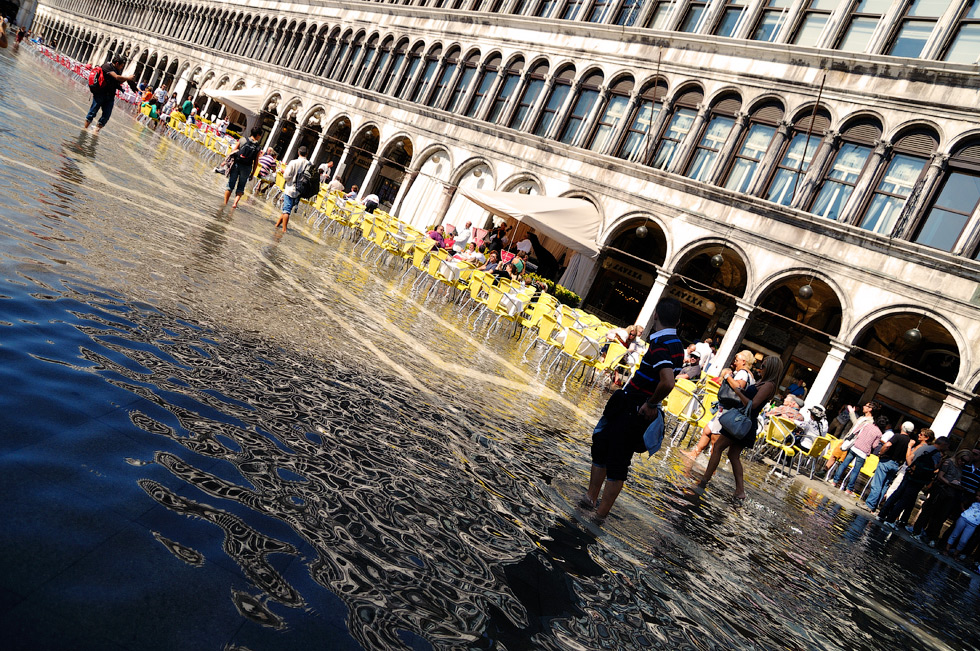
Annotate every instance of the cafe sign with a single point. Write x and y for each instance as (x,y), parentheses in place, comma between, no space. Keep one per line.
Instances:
(692,300)
(634,274)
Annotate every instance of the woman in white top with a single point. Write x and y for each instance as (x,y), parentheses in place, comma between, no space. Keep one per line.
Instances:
(743,378)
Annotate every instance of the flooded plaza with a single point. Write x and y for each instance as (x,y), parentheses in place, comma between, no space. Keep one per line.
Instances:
(214,438)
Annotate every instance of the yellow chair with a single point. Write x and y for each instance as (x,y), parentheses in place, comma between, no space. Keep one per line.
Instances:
(868,470)
(813,455)
(779,436)
(546,303)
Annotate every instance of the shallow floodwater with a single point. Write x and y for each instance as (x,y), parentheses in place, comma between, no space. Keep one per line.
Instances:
(211,438)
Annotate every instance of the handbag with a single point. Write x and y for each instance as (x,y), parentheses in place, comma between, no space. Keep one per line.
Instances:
(727,397)
(737,424)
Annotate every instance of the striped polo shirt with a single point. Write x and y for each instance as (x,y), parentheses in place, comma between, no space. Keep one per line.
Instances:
(665,349)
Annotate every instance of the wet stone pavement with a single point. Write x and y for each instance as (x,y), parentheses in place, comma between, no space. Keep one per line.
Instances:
(214,438)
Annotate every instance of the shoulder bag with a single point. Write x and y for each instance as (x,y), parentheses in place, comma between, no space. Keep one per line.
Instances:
(737,423)
(727,397)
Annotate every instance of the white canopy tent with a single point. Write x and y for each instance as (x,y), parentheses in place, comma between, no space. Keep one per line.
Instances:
(572,222)
(247,101)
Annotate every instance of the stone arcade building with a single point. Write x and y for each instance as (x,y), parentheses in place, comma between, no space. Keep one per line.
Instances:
(803,174)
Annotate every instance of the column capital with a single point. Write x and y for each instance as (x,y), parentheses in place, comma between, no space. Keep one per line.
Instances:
(939,161)
(882,147)
(830,136)
(742,308)
(784,127)
(663,275)
(741,118)
(957,397)
(840,347)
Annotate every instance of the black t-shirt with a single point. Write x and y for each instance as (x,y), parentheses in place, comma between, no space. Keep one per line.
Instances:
(898,449)
(109,85)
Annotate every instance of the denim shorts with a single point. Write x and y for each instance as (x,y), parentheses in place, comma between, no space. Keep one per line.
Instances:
(289,204)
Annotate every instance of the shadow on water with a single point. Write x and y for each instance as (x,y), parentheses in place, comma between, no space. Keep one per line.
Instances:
(193,451)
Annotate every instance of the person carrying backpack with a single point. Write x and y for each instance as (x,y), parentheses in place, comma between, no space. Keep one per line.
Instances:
(104,81)
(297,177)
(924,461)
(244,158)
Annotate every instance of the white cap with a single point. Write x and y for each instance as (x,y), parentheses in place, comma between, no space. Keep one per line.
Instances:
(907,427)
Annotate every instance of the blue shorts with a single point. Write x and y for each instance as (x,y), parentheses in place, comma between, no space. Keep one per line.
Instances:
(238,177)
(289,204)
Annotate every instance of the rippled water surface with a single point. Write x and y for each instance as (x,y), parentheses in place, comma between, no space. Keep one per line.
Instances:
(213,438)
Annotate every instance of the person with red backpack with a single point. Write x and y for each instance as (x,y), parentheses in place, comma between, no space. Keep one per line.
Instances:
(104,81)
(244,159)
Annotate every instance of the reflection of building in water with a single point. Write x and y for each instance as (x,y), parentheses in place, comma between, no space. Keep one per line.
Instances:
(805,173)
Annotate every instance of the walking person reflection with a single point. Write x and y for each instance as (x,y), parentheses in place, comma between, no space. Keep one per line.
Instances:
(759,394)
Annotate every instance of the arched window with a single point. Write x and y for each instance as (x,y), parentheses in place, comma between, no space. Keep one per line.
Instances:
(588,93)
(442,83)
(908,162)
(411,65)
(560,89)
(483,86)
(365,71)
(534,82)
(755,143)
(341,57)
(355,54)
(512,78)
(692,19)
(470,67)
(771,20)
(612,115)
(814,19)
(599,11)
(862,25)
(398,61)
(384,56)
(685,110)
(717,128)
(856,143)
(327,54)
(572,7)
(731,17)
(794,161)
(916,27)
(965,46)
(637,138)
(546,8)
(629,11)
(428,74)
(954,203)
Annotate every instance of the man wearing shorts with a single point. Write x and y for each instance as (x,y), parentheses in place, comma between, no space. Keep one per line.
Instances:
(619,433)
(290,195)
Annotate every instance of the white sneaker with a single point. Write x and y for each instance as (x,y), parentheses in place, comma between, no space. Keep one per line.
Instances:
(910,528)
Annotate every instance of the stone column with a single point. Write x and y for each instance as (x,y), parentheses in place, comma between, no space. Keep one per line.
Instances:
(674,20)
(879,39)
(508,112)
(442,207)
(407,183)
(949,412)
(833,27)
(450,85)
(750,18)
(686,146)
(770,159)
(921,191)
(731,340)
(823,385)
(649,149)
(645,317)
(318,146)
(710,16)
(342,163)
(491,95)
(586,127)
(291,149)
(535,111)
(643,15)
(933,47)
(369,177)
(789,19)
(728,150)
(850,212)
(566,106)
(807,187)
(624,124)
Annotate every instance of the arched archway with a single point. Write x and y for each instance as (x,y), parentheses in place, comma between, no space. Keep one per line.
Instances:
(395,159)
(627,269)
(363,148)
(423,196)
(708,279)
(475,174)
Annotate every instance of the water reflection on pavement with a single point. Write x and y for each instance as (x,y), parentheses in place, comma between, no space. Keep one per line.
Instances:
(216,438)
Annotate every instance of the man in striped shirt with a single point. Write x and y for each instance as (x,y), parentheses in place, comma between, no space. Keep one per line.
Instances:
(619,433)
(267,170)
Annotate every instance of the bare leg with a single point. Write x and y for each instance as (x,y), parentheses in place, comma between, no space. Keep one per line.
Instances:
(734,455)
(87,123)
(227,196)
(706,437)
(609,495)
(238,198)
(719,447)
(595,482)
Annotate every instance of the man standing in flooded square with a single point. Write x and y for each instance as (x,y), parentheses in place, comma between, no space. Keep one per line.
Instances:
(631,410)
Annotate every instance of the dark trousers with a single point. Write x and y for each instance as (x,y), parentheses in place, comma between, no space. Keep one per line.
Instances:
(903,499)
(936,510)
(101,103)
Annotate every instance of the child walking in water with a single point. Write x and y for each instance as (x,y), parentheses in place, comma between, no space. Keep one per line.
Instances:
(964,528)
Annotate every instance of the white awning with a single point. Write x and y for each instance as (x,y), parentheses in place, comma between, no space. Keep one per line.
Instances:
(246,100)
(572,222)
